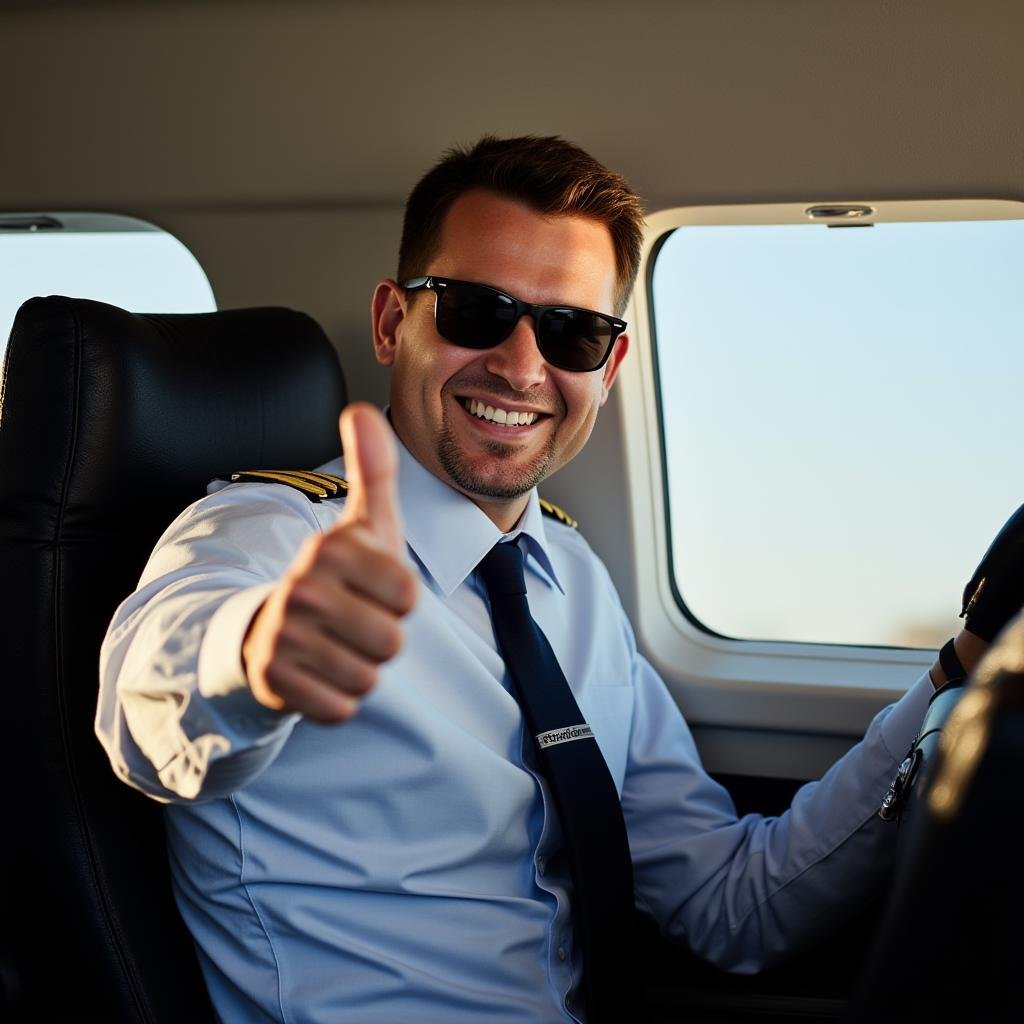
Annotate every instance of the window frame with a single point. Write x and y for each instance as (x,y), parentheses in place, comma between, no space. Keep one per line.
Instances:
(735,691)
(65,223)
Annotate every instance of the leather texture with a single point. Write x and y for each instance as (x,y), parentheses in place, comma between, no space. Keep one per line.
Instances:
(110,424)
(948,947)
(995,593)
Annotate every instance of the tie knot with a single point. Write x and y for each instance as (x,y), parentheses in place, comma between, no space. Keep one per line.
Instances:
(501,570)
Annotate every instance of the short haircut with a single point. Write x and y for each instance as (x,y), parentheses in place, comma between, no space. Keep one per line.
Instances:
(548,174)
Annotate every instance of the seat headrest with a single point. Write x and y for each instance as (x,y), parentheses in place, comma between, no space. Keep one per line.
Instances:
(132,410)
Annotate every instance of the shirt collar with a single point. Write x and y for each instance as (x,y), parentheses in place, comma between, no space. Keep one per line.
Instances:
(449,534)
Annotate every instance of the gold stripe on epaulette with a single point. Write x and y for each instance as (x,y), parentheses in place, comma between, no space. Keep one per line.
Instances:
(280,476)
(333,484)
(557,513)
(316,486)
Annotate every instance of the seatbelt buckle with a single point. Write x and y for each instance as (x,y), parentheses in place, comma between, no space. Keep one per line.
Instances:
(901,786)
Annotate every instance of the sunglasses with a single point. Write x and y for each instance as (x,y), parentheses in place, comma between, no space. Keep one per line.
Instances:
(475,316)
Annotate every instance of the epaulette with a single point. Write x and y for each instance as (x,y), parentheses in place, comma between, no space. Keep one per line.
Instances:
(557,513)
(318,486)
(315,486)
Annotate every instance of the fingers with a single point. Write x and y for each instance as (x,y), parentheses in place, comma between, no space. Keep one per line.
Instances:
(353,561)
(315,647)
(320,677)
(316,644)
(371,467)
(297,689)
(324,611)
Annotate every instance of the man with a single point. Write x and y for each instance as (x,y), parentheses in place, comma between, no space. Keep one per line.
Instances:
(360,826)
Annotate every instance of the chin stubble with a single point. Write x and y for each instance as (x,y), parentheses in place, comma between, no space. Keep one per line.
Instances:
(519,480)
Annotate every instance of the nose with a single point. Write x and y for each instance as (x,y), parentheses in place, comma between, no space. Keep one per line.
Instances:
(517,359)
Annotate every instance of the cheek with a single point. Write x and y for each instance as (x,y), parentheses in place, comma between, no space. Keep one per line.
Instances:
(411,385)
(428,368)
(582,399)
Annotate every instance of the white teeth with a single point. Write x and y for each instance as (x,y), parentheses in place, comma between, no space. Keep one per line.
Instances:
(489,412)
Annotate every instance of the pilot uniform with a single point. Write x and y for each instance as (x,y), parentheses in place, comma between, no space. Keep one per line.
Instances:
(407,865)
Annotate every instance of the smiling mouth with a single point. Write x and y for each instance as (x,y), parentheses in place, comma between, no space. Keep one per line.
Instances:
(496,414)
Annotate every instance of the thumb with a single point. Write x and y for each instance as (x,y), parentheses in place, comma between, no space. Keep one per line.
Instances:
(371,468)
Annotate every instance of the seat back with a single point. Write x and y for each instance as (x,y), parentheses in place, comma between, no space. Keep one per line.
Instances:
(110,424)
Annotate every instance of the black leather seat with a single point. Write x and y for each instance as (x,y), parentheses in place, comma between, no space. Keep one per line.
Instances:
(110,424)
(950,945)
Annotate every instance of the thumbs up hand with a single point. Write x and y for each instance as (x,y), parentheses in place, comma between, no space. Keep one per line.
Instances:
(315,645)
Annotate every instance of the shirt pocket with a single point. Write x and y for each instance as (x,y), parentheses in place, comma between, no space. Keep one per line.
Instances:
(608,710)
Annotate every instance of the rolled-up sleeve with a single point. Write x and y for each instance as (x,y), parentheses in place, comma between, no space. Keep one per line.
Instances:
(175,712)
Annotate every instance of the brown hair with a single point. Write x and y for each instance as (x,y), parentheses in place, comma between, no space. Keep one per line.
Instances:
(548,174)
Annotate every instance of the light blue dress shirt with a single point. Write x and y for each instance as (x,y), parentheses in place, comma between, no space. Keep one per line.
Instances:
(407,865)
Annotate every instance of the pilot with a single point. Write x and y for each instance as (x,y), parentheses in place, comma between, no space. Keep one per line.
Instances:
(415,768)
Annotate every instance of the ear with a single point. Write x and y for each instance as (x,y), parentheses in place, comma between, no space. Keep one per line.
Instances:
(387,311)
(611,368)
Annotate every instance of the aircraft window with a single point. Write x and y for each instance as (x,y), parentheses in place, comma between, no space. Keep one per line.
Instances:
(840,412)
(116,259)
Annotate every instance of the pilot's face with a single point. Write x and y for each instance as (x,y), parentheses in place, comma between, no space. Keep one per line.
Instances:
(490,240)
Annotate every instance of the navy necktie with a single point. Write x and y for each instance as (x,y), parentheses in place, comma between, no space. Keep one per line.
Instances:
(584,793)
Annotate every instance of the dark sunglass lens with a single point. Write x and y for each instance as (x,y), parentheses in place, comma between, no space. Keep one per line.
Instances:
(473,316)
(574,339)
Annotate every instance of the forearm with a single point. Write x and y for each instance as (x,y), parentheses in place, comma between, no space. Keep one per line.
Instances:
(796,877)
(742,893)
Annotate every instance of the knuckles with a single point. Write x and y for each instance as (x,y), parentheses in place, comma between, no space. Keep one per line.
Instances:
(406,590)
(351,557)
(390,641)
(300,595)
(336,711)
(342,584)
(362,679)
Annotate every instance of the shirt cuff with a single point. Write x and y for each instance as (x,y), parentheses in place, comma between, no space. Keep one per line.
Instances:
(220,672)
(902,724)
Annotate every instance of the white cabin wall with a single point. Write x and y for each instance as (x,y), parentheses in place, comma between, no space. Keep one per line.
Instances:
(323,261)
